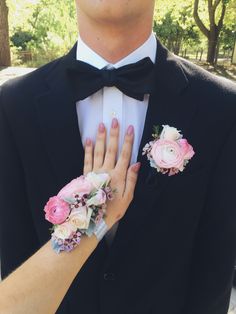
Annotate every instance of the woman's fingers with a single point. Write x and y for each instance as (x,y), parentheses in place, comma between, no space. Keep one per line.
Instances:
(112,148)
(88,156)
(131,180)
(125,155)
(99,150)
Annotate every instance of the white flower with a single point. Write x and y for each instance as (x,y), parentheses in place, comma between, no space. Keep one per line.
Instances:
(98,199)
(64,230)
(170,133)
(80,217)
(98,179)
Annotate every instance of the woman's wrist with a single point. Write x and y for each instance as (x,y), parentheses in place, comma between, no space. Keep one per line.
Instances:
(109,222)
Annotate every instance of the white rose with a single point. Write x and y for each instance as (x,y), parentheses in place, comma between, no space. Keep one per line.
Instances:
(170,133)
(98,179)
(64,231)
(80,217)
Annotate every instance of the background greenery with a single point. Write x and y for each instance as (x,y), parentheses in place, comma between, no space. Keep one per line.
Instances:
(42,30)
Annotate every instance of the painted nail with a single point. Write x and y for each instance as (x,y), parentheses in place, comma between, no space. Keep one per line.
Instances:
(88,142)
(130,130)
(114,123)
(101,128)
(136,167)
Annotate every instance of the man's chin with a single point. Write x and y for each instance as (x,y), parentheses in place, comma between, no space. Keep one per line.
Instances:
(110,11)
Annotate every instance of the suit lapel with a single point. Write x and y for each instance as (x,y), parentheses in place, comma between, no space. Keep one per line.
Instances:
(166,106)
(56,110)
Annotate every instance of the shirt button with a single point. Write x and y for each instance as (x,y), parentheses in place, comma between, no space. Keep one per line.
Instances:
(109,276)
(113,114)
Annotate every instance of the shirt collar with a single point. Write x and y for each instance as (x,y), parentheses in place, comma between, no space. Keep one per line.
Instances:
(86,54)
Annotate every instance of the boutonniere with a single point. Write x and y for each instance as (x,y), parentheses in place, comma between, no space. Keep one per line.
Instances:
(168,152)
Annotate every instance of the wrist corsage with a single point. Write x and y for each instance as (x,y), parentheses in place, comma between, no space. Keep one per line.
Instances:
(79,208)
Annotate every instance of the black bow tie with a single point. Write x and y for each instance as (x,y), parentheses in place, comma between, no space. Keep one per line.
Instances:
(135,80)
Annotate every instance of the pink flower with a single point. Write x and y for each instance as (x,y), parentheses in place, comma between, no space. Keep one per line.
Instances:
(57,210)
(187,149)
(98,218)
(168,154)
(80,186)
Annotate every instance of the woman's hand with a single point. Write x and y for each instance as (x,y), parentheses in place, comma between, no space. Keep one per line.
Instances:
(123,177)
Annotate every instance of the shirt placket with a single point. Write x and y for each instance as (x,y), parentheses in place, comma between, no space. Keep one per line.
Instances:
(113,108)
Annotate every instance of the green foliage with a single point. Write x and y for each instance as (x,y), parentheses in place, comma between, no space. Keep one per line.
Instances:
(177,32)
(175,25)
(48,28)
(228,33)
(228,37)
(21,39)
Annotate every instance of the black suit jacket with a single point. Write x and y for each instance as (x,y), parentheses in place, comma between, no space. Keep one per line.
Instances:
(174,251)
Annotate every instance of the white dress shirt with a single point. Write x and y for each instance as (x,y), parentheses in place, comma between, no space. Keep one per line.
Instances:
(109,102)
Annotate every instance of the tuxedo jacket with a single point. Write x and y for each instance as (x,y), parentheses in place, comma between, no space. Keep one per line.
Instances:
(174,251)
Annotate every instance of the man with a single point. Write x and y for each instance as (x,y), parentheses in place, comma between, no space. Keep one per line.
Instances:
(174,251)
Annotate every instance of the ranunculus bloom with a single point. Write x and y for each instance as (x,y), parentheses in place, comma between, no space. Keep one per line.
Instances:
(170,133)
(98,199)
(57,210)
(168,154)
(98,179)
(186,148)
(64,231)
(80,186)
(79,218)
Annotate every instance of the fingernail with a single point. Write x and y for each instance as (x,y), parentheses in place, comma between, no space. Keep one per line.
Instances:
(130,130)
(88,142)
(136,167)
(101,127)
(114,123)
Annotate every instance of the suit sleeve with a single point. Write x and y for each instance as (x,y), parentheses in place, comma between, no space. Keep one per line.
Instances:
(18,238)
(214,251)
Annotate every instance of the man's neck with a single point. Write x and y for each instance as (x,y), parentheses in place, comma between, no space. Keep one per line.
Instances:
(113,42)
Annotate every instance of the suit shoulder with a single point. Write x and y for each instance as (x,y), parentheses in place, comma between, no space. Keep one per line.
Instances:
(204,78)
(215,93)
(28,84)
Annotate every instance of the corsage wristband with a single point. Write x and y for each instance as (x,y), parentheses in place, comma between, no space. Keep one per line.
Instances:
(79,208)
(100,229)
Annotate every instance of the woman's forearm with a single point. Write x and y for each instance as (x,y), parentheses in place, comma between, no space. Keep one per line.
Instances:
(39,285)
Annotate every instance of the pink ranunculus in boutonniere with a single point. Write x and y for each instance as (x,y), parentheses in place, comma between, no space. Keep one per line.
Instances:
(169,152)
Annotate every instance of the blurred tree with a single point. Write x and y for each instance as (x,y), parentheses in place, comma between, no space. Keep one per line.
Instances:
(228,33)
(5,56)
(177,29)
(212,33)
(45,28)
(21,38)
